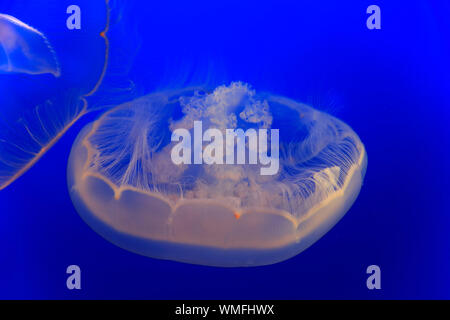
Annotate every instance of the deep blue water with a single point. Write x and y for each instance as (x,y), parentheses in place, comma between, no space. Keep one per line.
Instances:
(390,85)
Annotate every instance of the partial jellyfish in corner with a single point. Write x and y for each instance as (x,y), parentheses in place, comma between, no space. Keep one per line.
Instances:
(124,183)
(23,49)
(42,96)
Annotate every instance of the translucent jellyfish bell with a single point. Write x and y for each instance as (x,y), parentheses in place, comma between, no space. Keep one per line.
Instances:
(125,185)
(24,49)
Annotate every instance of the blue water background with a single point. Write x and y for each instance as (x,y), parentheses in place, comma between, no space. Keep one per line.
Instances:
(390,85)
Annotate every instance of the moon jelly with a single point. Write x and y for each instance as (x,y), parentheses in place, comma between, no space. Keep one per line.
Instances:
(125,185)
(41,96)
(24,49)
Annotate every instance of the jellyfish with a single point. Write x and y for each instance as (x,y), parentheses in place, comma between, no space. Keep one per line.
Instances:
(23,49)
(219,211)
(37,109)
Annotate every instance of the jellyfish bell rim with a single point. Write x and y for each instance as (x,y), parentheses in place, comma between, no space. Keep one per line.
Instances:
(51,68)
(312,227)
